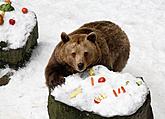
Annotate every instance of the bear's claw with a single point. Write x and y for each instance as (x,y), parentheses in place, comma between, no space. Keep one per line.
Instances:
(55,81)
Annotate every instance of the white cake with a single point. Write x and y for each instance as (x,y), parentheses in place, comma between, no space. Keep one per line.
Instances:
(16,35)
(103,92)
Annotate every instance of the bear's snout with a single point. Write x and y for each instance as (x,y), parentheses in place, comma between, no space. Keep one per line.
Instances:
(80,66)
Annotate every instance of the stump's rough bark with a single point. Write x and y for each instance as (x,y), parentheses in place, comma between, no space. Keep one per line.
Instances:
(58,110)
(16,57)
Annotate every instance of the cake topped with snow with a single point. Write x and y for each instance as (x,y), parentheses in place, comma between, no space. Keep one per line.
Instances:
(103,92)
(16,24)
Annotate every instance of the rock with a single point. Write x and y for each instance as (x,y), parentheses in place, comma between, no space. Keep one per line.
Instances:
(16,57)
(4,80)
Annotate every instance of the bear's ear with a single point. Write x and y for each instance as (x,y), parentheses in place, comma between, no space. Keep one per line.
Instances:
(92,37)
(64,37)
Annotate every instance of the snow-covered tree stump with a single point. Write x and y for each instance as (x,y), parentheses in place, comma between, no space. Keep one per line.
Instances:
(18,34)
(59,110)
(16,57)
(100,94)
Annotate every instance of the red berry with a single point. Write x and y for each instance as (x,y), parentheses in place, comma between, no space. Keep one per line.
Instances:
(101,80)
(24,10)
(12,21)
(123,89)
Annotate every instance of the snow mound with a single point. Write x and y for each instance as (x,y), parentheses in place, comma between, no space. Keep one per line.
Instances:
(103,92)
(16,35)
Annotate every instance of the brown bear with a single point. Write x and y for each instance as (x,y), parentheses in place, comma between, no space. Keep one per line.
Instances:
(95,43)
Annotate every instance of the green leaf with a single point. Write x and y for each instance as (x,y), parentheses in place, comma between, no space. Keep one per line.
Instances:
(6,7)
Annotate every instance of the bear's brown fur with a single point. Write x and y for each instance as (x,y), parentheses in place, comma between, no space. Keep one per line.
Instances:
(95,43)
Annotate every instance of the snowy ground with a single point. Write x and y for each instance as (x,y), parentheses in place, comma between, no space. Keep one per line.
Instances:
(25,97)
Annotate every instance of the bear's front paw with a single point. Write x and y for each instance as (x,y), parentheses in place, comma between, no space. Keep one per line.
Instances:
(54,81)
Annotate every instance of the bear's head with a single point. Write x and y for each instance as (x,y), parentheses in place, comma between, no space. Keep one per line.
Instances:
(80,50)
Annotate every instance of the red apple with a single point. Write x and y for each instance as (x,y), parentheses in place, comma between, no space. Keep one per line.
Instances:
(12,21)
(24,10)
(1,20)
(101,80)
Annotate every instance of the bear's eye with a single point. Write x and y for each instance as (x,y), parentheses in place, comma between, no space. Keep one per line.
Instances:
(85,54)
(73,54)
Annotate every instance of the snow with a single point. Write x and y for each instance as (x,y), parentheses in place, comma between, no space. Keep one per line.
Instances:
(25,97)
(16,35)
(79,92)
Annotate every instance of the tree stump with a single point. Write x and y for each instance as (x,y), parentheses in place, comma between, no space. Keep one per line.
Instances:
(59,110)
(16,57)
